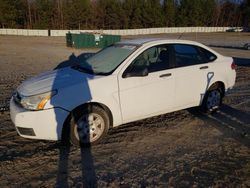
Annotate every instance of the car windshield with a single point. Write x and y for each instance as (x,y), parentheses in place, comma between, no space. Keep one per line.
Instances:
(107,60)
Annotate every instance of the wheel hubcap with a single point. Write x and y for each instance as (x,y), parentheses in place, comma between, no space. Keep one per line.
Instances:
(213,100)
(89,128)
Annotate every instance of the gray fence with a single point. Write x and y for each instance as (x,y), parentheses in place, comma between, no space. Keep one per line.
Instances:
(35,32)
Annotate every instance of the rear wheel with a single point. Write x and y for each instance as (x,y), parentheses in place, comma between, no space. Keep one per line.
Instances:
(88,125)
(212,100)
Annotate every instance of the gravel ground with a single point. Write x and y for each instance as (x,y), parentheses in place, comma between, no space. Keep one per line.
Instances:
(180,149)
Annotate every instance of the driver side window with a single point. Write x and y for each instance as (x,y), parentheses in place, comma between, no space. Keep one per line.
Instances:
(153,59)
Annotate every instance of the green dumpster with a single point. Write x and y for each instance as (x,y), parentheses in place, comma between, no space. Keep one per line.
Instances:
(89,40)
(107,40)
(83,40)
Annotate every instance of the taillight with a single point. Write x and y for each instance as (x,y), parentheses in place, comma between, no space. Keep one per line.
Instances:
(233,66)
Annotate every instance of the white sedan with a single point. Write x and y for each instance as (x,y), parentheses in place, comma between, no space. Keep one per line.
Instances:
(125,82)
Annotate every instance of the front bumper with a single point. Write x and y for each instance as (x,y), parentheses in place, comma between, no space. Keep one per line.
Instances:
(45,124)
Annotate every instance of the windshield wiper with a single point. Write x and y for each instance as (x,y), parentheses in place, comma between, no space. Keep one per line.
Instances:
(102,73)
(82,69)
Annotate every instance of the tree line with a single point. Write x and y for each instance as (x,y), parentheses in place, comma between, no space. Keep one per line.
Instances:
(122,14)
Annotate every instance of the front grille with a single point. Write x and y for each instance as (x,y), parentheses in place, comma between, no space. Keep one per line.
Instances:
(26,131)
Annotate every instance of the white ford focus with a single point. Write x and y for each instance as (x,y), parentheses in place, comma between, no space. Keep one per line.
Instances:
(122,83)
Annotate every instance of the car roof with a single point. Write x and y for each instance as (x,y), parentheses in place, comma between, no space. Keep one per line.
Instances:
(142,41)
(156,41)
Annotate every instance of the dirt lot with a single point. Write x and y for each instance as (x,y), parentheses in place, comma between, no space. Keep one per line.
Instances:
(180,149)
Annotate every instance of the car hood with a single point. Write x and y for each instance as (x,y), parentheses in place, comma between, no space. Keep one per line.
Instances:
(53,80)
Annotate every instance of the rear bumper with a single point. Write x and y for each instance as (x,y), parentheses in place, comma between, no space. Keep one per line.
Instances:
(44,124)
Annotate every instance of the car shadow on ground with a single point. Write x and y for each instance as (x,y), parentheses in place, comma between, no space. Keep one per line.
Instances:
(242,61)
(233,123)
(88,178)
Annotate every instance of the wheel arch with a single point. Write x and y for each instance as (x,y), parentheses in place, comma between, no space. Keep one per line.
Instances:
(217,84)
(66,126)
(213,86)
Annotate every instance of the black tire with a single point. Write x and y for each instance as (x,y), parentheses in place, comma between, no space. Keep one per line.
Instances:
(91,132)
(212,100)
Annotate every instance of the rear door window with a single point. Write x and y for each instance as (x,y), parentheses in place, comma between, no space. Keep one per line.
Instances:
(187,55)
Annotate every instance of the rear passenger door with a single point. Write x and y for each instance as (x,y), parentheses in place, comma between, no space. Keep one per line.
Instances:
(192,74)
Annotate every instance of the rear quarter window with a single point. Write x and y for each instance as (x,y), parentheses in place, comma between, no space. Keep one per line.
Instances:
(209,55)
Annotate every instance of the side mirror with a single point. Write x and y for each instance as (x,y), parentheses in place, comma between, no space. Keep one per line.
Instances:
(139,71)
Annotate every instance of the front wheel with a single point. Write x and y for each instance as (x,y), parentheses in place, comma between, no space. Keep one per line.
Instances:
(88,125)
(212,100)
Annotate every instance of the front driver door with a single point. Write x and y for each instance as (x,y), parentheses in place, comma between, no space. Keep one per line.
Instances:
(147,95)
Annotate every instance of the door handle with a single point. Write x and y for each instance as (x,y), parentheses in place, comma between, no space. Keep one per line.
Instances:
(165,75)
(204,67)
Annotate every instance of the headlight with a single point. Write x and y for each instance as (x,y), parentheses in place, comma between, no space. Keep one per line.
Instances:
(36,102)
